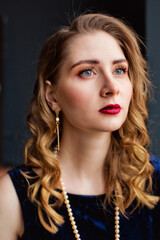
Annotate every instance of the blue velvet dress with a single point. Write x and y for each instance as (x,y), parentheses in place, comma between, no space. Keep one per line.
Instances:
(93,222)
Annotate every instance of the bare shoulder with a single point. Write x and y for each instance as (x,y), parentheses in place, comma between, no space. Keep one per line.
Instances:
(6,188)
(11,221)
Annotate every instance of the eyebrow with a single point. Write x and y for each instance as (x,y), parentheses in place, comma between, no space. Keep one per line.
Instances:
(94,61)
(119,61)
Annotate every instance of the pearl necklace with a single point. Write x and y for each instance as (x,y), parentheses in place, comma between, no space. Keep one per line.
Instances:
(72,219)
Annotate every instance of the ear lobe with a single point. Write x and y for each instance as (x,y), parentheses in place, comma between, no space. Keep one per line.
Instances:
(51,96)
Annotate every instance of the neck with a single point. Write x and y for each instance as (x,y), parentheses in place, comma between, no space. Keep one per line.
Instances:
(82,158)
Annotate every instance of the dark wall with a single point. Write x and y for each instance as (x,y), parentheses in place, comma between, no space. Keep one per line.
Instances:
(132,11)
(1,87)
(153,56)
(27,24)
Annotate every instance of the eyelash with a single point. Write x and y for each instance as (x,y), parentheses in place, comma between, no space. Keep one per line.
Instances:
(124,69)
(86,69)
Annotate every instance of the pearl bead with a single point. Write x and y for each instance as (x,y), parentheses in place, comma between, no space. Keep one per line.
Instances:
(117,235)
(116,222)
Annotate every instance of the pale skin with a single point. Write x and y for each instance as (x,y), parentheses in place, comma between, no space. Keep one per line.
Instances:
(94,75)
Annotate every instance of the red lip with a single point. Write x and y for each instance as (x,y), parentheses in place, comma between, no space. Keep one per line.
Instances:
(111,109)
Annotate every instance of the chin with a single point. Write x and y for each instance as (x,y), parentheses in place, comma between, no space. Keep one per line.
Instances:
(106,129)
(110,127)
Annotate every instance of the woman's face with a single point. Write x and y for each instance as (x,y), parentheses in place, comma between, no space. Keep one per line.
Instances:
(94,89)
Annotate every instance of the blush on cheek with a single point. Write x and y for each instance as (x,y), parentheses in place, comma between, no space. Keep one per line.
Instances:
(73,98)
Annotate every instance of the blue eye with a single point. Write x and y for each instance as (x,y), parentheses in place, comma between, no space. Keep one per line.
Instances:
(86,73)
(119,71)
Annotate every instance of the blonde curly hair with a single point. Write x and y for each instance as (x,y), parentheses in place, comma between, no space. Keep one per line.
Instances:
(130,171)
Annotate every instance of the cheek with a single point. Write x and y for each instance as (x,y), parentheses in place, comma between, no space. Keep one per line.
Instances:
(73,97)
(128,92)
(131,91)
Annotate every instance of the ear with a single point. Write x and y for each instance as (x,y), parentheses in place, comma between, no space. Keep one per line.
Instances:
(51,96)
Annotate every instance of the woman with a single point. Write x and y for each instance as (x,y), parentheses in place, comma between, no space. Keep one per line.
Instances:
(89,142)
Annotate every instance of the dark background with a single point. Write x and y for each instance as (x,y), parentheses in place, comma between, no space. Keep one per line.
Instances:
(24,27)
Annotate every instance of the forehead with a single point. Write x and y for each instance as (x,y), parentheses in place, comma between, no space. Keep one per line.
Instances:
(97,44)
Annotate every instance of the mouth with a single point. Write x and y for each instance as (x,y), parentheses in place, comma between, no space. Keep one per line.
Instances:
(111,109)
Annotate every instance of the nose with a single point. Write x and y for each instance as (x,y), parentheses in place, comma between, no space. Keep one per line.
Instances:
(109,88)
